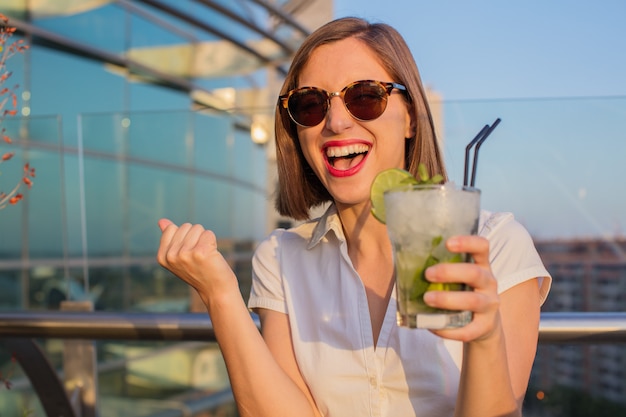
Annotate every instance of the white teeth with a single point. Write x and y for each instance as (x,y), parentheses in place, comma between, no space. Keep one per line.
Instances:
(339,151)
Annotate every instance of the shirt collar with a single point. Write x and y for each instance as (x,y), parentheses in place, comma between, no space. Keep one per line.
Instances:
(329,221)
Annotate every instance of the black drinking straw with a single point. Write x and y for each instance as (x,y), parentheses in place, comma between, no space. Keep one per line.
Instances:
(467,152)
(478,141)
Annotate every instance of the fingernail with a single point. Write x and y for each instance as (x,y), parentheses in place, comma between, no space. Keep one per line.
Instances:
(427,274)
(453,243)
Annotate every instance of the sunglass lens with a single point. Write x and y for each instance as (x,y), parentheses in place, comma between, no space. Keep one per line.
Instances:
(308,107)
(366,101)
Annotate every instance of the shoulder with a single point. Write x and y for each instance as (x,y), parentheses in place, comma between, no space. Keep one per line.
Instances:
(512,253)
(502,229)
(280,237)
(491,223)
(285,241)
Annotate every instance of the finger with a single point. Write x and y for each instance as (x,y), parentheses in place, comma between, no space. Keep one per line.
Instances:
(190,241)
(477,277)
(482,326)
(206,252)
(179,237)
(476,246)
(476,302)
(171,240)
(168,230)
(207,241)
(163,223)
(466,333)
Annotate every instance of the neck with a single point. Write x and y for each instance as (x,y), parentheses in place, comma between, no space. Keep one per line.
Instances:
(369,249)
(362,231)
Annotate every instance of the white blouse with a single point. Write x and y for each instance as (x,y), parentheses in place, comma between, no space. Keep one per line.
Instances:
(306,273)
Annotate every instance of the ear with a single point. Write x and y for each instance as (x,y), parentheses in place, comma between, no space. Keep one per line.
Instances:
(411,124)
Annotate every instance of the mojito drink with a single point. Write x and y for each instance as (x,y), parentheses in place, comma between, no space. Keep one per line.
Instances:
(420,218)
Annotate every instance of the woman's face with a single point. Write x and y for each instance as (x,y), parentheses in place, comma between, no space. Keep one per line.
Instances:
(345,153)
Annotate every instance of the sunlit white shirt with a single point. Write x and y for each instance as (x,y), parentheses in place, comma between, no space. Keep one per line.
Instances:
(305,272)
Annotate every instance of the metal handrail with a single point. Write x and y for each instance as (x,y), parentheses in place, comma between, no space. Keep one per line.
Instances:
(584,327)
(19,329)
(555,328)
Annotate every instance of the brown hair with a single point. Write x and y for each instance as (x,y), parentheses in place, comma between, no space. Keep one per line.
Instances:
(299,189)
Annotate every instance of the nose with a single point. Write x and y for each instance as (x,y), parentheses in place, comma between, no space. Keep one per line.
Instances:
(337,118)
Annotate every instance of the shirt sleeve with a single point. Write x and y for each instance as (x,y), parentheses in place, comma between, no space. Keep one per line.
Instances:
(267,289)
(513,256)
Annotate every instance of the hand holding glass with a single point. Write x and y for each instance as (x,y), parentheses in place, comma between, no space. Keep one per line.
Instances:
(420,218)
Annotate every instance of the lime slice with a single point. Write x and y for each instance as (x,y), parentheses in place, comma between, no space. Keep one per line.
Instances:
(444,286)
(386,180)
(437,286)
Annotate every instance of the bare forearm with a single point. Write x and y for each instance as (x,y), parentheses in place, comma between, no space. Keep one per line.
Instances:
(260,386)
(485,388)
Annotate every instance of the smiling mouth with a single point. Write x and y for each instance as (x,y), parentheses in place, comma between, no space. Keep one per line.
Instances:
(344,158)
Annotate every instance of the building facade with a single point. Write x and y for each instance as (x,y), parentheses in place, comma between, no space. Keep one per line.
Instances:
(589,276)
(129,112)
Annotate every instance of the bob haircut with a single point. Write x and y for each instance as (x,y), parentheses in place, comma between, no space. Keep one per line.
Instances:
(299,189)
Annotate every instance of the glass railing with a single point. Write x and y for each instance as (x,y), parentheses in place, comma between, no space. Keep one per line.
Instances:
(87,232)
(169,364)
(87,229)
(557,164)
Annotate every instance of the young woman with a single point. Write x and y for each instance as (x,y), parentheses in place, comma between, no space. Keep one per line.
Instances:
(330,345)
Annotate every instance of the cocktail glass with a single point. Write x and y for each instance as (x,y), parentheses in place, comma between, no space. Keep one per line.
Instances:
(420,218)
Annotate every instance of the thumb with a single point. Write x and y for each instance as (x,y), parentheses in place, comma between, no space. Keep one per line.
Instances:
(163,223)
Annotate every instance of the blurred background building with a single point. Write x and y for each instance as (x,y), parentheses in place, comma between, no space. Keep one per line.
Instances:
(134,111)
(131,111)
(590,275)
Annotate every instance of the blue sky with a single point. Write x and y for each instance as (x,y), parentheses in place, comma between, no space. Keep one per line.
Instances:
(555,72)
(504,49)
(526,62)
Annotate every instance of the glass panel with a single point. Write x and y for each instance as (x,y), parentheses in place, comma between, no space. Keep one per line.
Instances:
(213,142)
(32,230)
(140,167)
(556,164)
(165,137)
(213,205)
(68,85)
